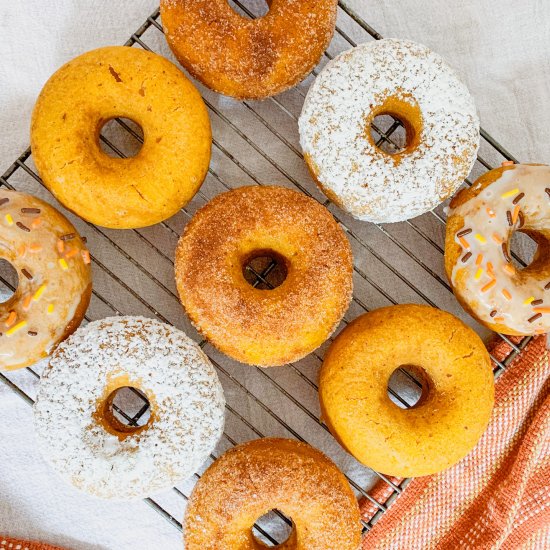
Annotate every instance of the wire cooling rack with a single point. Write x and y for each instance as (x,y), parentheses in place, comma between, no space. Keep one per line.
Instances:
(256,143)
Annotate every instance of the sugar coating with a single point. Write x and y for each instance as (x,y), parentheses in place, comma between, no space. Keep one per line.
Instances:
(163,362)
(367,182)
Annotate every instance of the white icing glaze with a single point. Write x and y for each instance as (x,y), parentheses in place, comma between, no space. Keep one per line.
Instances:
(510,296)
(54,276)
(367,181)
(188,409)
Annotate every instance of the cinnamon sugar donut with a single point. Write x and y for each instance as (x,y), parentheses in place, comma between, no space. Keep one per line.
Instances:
(248,58)
(481,222)
(456,403)
(412,83)
(87,445)
(256,477)
(265,327)
(55,279)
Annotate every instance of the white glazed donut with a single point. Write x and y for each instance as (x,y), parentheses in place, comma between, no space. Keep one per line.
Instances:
(83,441)
(412,83)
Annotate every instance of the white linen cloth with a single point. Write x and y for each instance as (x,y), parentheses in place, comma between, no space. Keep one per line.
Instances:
(501,48)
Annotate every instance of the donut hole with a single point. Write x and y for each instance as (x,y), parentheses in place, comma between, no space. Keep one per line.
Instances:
(409,386)
(395,126)
(120,137)
(265,269)
(9,281)
(250,9)
(126,410)
(525,247)
(272,529)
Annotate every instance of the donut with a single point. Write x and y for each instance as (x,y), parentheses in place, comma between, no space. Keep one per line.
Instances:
(88,446)
(446,355)
(100,85)
(411,83)
(245,58)
(54,279)
(264,326)
(256,477)
(478,262)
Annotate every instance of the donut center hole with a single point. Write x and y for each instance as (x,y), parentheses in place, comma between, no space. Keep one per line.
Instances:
(265,269)
(272,529)
(9,281)
(120,138)
(524,247)
(409,386)
(127,410)
(250,9)
(394,126)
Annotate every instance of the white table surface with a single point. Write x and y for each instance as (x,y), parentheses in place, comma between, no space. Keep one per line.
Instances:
(500,48)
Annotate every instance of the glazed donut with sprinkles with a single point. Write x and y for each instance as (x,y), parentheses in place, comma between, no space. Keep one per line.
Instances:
(55,280)
(478,260)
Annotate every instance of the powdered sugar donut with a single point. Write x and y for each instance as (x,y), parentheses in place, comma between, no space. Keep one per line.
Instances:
(415,85)
(78,433)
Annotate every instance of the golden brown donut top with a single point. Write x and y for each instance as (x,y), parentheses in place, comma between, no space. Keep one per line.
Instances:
(453,412)
(264,327)
(478,260)
(55,279)
(256,477)
(248,58)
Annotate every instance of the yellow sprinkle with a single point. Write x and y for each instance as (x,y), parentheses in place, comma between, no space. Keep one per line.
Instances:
(529,300)
(479,272)
(9,219)
(51,308)
(510,193)
(39,293)
(480,238)
(15,328)
(63,263)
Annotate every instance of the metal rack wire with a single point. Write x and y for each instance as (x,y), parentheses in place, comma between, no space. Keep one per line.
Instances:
(256,143)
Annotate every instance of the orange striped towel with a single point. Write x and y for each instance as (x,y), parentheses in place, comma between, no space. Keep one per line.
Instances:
(499,495)
(15,544)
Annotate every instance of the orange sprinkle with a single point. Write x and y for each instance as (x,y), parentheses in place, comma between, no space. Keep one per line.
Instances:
(27,302)
(540,331)
(506,294)
(497,239)
(490,271)
(37,222)
(508,163)
(86,256)
(60,246)
(489,285)
(515,214)
(498,319)
(479,259)
(509,269)
(464,242)
(490,213)
(541,309)
(12,317)
(71,253)
(35,247)
(22,250)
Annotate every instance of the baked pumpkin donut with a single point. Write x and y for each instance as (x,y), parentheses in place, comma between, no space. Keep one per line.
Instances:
(455,406)
(416,86)
(78,433)
(54,279)
(248,58)
(264,326)
(96,87)
(256,477)
(481,222)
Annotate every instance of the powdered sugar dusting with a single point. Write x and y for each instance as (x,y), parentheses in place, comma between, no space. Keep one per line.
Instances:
(363,179)
(188,408)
